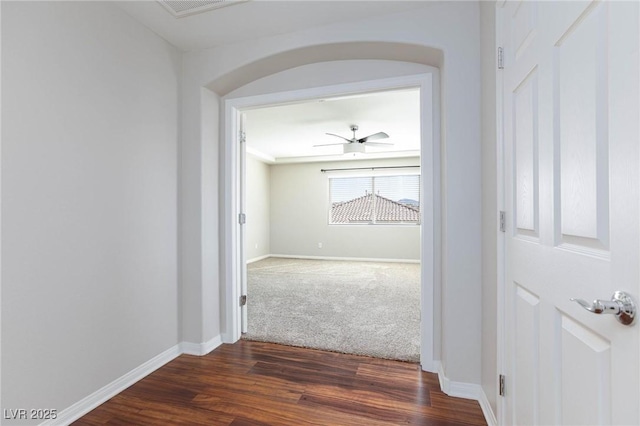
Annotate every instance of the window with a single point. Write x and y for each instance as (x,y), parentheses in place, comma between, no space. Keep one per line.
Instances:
(375,199)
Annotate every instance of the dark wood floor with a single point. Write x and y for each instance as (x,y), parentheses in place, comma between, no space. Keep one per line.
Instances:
(251,383)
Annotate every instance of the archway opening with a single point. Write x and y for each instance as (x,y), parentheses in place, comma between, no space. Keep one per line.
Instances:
(224,85)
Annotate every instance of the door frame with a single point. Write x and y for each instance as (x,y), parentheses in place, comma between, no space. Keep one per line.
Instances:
(501,239)
(430,161)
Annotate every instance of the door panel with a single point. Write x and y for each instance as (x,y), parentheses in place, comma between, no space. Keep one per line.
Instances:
(525,119)
(582,350)
(571,150)
(527,343)
(523,26)
(580,74)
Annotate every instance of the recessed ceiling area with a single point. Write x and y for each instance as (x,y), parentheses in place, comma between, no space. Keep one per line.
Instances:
(182,8)
(288,133)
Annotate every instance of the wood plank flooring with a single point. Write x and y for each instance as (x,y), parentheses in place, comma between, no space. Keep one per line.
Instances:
(254,383)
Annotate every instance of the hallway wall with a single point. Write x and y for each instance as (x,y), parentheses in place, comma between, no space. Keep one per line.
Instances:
(89,190)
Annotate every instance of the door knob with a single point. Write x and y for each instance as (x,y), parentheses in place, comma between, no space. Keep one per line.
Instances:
(621,305)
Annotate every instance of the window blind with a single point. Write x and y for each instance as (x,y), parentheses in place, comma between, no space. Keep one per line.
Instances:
(375,199)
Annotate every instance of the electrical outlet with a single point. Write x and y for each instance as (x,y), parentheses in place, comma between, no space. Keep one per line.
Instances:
(319,245)
(256,245)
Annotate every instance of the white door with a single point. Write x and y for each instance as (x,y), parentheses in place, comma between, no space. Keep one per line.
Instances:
(572,160)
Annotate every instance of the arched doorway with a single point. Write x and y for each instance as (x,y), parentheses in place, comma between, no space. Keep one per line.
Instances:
(429,84)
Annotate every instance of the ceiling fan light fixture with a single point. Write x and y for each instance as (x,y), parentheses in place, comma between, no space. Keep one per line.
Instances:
(354,145)
(353,148)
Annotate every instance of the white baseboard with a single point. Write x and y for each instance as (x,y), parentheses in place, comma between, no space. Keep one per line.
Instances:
(256,259)
(432,366)
(82,407)
(355,259)
(467,391)
(489,415)
(200,349)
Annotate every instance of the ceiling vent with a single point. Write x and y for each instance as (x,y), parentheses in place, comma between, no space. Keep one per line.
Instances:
(182,8)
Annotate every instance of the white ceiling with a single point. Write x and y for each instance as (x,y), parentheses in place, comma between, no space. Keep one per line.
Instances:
(254,19)
(287,133)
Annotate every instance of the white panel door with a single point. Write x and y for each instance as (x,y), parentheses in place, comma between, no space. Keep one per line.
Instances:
(572,160)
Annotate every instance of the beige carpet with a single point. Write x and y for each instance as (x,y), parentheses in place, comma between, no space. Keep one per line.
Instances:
(365,308)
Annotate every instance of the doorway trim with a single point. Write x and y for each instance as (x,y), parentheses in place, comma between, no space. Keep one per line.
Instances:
(501,207)
(430,161)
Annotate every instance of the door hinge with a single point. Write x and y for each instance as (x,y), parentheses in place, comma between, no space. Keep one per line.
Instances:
(242,218)
(500,58)
(501,384)
(243,300)
(243,137)
(503,221)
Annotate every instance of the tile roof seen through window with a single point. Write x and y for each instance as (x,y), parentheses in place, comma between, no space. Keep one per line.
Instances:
(359,210)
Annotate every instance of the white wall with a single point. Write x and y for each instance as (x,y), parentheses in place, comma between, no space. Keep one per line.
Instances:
(89,220)
(489,205)
(452,27)
(208,272)
(299,217)
(258,227)
(328,73)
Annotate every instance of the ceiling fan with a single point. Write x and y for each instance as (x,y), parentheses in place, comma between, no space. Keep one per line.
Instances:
(358,145)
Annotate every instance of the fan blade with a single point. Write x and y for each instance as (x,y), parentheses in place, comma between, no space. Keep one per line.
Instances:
(379,135)
(333,134)
(331,144)
(378,144)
